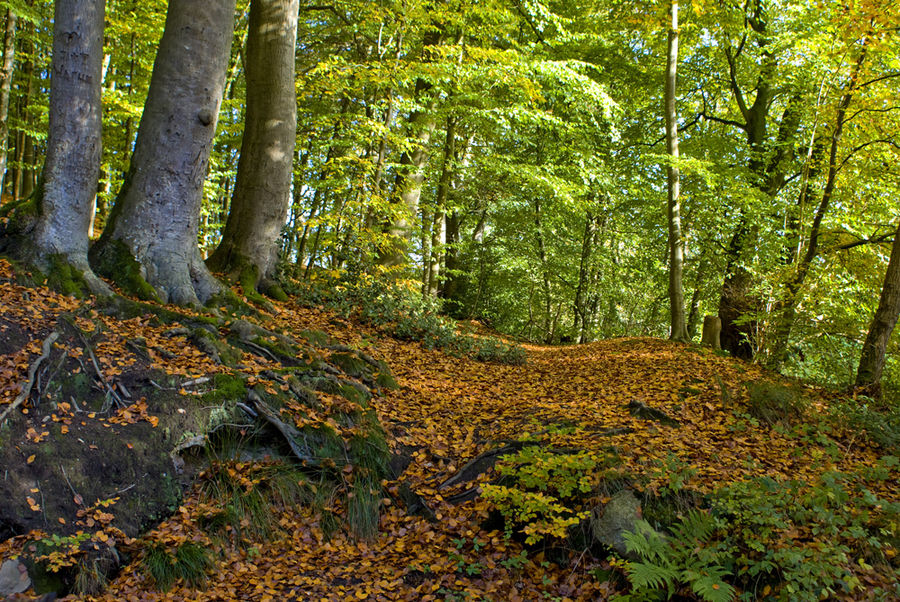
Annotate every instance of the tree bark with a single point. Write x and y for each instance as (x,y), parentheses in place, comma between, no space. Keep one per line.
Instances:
(767,164)
(439,221)
(411,174)
(155,220)
(871,363)
(6,75)
(788,306)
(712,327)
(262,192)
(72,166)
(676,241)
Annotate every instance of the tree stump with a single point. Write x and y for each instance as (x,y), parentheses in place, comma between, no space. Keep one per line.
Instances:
(712,327)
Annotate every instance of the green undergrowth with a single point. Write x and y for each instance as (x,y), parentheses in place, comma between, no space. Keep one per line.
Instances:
(402,312)
(188,561)
(757,539)
(245,498)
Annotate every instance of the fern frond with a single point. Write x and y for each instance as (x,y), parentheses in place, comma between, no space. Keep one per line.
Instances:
(713,589)
(695,528)
(650,576)
(646,542)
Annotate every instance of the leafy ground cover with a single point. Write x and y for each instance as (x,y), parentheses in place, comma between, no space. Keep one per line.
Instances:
(793,501)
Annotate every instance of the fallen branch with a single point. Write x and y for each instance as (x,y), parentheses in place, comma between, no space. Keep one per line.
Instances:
(481,463)
(32,371)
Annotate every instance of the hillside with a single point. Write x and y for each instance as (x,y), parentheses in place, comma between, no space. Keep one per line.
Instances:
(671,422)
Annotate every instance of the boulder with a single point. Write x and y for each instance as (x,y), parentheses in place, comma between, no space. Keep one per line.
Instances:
(13,578)
(610,521)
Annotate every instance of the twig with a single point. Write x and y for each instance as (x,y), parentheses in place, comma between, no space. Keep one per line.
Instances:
(109,390)
(121,491)
(45,353)
(122,388)
(69,483)
(196,381)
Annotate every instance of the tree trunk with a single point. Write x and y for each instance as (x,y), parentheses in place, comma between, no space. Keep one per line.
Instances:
(439,225)
(411,174)
(27,73)
(787,312)
(712,327)
(6,75)
(262,192)
(676,241)
(871,363)
(72,167)
(156,217)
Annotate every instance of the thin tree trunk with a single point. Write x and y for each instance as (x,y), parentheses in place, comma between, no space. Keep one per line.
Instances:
(22,109)
(156,217)
(871,363)
(787,313)
(262,193)
(676,241)
(411,174)
(439,225)
(6,75)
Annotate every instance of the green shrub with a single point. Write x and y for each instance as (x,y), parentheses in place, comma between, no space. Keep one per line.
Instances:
(544,490)
(402,312)
(776,403)
(880,424)
(800,540)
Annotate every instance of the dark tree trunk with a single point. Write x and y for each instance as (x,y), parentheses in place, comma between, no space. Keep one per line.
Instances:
(156,217)
(262,193)
(439,221)
(871,363)
(6,75)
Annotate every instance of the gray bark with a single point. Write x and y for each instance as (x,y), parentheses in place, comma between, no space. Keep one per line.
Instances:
(72,167)
(262,192)
(676,241)
(871,363)
(6,73)
(156,216)
(411,175)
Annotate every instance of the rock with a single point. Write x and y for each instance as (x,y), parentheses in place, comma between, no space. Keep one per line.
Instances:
(617,516)
(639,409)
(14,578)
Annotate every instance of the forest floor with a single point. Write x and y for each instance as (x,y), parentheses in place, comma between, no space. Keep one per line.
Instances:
(449,410)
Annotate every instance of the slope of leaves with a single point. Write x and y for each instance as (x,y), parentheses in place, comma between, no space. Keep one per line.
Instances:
(450,410)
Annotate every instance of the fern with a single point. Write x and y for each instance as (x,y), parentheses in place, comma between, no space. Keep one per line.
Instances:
(645,576)
(669,562)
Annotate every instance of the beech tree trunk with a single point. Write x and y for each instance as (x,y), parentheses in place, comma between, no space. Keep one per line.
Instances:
(871,363)
(72,167)
(676,242)
(262,194)
(712,327)
(6,75)
(411,174)
(155,220)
